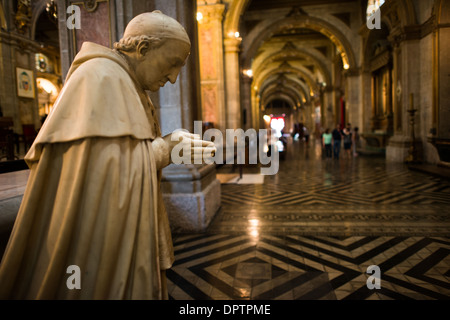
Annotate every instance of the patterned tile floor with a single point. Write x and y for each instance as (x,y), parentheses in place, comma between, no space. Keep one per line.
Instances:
(312,230)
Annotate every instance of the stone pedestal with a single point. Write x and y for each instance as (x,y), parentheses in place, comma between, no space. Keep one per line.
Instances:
(191,195)
(398,148)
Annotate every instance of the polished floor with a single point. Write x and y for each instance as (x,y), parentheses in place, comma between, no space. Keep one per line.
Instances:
(312,230)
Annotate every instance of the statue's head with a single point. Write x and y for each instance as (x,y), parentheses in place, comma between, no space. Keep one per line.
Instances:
(158,47)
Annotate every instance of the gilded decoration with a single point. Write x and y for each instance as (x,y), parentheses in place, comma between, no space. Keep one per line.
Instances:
(23,16)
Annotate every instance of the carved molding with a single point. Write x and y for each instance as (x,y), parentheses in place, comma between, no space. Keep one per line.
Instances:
(380,60)
(90,5)
(23,16)
(211,13)
(414,32)
(297,12)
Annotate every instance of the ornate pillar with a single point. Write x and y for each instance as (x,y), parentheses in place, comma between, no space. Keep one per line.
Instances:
(406,46)
(233,111)
(353,97)
(211,63)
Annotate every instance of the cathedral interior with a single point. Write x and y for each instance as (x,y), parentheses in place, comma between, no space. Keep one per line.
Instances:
(300,68)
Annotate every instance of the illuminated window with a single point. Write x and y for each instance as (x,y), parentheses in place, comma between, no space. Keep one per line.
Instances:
(43,63)
(373,6)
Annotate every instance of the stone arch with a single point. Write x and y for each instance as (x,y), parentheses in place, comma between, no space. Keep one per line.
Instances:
(372,37)
(407,13)
(298,53)
(287,69)
(300,87)
(38,8)
(233,16)
(279,96)
(271,90)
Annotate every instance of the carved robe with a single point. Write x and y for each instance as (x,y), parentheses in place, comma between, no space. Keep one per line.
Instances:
(93,197)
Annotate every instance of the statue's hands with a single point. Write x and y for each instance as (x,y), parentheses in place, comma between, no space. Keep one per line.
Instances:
(187,147)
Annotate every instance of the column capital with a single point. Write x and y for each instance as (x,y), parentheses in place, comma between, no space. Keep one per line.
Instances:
(211,12)
(232,44)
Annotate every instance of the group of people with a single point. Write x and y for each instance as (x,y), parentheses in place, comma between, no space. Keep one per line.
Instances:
(332,141)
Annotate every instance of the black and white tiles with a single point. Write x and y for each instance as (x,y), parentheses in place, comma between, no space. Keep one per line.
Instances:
(311,231)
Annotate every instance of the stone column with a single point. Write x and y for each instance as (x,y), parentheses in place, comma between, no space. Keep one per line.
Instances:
(366,100)
(439,131)
(397,149)
(191,192)
(396,101)
(232,82)
(257,112)
(354,99)
(211,63)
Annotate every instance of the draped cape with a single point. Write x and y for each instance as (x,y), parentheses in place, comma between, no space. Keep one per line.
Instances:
(93,196)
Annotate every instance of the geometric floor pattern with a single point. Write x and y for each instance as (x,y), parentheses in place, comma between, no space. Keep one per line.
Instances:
(362,196)
(223,267)
(312,230)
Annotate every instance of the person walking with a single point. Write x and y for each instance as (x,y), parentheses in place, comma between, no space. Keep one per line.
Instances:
(337,138)
(327,138)
(306,135)
(347,134)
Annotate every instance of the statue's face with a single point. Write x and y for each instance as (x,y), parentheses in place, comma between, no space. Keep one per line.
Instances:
(162,64)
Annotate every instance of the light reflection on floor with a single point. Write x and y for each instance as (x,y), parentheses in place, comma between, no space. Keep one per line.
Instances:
(311,231)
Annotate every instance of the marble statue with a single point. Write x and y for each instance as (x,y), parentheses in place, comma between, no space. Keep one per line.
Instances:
(93,202)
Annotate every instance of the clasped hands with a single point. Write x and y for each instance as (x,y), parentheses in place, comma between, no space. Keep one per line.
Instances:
(180,147)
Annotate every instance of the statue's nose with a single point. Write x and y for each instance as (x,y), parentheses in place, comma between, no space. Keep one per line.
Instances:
(173,76)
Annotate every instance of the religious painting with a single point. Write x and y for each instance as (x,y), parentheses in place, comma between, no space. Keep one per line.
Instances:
(25,83)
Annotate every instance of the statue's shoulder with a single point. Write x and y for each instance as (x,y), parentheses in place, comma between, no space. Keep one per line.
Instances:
(100,67)
(98,61)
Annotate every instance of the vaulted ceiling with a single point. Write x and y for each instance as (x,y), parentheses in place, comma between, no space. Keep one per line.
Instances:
(290,51)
